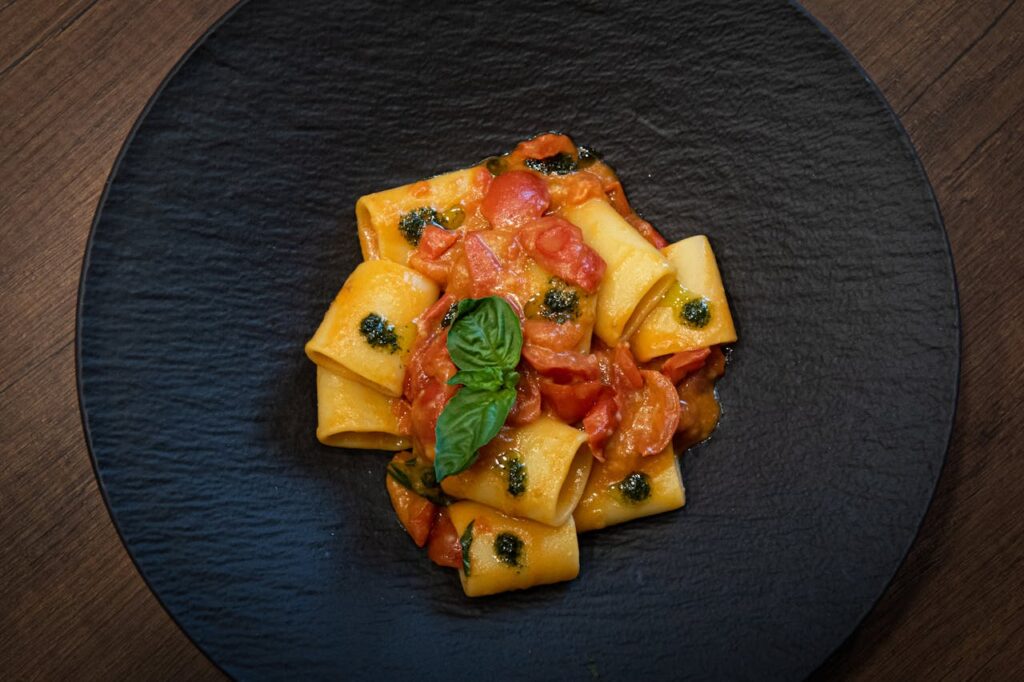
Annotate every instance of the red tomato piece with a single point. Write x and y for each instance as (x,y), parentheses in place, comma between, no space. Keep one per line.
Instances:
(429,320)
(545,145)
(627,372)
(650,416)
(562,366)
(527,406)
(427,407)
(483,265)
(435,241)
(415,513)
(601,422)
(443,547)
(558,246)
(514,199)
(571,402)
(677,367)
(548,334)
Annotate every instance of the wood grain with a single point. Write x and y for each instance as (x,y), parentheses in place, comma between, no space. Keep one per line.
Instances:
(76,74)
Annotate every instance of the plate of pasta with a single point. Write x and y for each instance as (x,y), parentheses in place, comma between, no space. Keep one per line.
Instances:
(579,340)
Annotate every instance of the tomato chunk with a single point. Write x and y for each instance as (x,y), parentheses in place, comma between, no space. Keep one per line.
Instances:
(571,402)
(426,407)
(557,245)
(483,265)
(435,241)
(415,513)
(649,416)
(677,367)
(430,319)
(647,231)
(563,365)
(527,406)
(514,199)
(545,145)
(600,422)
(628,374)
(443,547)
(564,336)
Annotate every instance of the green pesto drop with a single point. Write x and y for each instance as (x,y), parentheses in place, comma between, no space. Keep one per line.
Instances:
(561,163)
(516,476)
(412,224)
(508,548)
(561,303)
(378,332)
(452,218)
(586,157)
(449,316)
(636,487)
(418,476)
(465,542)
(696,313)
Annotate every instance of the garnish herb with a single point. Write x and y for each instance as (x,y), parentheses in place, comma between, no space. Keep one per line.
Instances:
(561,163)
(485,341)
(378,332)
(412,224)
(465,542)
(516,476)
(508,548)
(696,312)
(418,476)
(636,487)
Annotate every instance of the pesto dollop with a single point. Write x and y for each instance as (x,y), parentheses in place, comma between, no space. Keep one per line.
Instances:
(586,157)
(412,224)
(378,332)
(561,303)
(508,548)
(516,477)
(465,543)
(561,163)
(418,476)
(696,313)
(636,487)
(449,316)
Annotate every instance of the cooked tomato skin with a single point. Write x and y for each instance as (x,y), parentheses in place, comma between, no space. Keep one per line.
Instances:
(483,265)
(528,399)
(553,335)
(570,402)
(649,416)
(415,513)
(678,366)
(563,366)
(626,371)
(443,546)
(514,199)
(601,421)
(558,246)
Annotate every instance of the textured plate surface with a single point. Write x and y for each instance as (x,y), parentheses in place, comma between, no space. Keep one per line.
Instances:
(229,226)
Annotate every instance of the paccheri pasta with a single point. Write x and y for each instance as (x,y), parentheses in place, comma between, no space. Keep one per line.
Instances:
(538,352)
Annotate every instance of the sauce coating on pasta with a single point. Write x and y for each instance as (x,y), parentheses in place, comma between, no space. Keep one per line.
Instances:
(543,349)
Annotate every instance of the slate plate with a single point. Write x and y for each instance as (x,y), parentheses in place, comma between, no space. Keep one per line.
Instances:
(229,226)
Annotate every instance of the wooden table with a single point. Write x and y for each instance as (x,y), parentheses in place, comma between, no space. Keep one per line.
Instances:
(76,74)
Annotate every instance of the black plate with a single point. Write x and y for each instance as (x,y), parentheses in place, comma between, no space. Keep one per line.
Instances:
(229,226)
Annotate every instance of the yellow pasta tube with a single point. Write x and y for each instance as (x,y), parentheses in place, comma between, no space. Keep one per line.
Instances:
(353,415)
(368,331)
(502,553)
(637,274)
(379,215)
(694,313)
(536,471)
(617,493)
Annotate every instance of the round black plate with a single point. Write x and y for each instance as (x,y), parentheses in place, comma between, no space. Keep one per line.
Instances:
(229,226)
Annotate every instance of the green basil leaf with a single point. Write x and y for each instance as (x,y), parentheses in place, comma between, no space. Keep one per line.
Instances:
(468,422)
(485,334)
(487,379)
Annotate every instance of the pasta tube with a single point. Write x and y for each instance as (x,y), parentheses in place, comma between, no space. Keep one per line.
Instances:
(501,552)
(536,471)
(694,313)
(353,415)
(637,274)
(368,331)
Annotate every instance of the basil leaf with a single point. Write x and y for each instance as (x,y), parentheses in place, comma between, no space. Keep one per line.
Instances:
(468,422)
(487,379)
(485,333)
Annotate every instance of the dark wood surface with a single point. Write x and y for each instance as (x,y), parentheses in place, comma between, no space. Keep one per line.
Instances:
(75,75)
